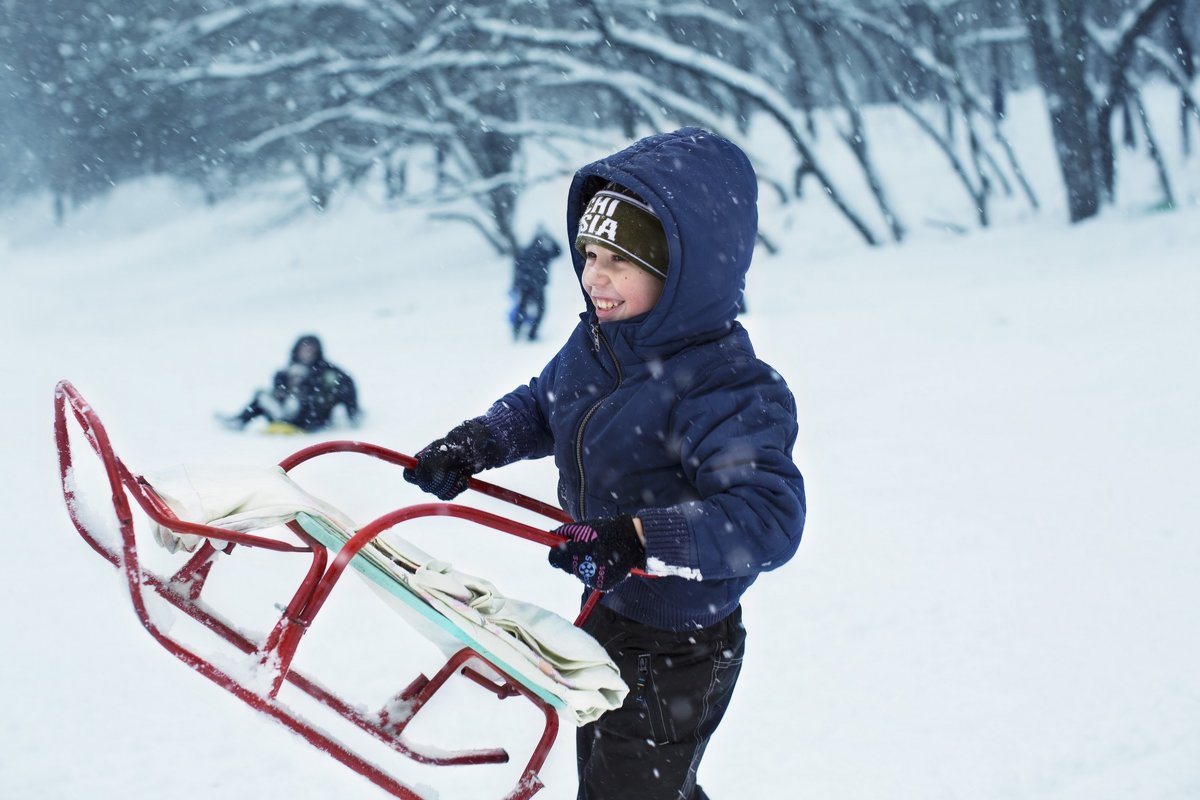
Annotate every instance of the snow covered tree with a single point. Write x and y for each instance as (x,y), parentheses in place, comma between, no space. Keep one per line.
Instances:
(1088,69)
(80,120)
(436,102)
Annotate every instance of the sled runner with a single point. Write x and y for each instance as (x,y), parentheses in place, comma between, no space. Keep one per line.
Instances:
(509,648)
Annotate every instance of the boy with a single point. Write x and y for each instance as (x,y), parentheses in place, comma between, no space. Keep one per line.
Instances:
(673,445)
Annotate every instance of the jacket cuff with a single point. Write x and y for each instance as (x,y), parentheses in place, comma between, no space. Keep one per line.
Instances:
(510,438)
(670,548)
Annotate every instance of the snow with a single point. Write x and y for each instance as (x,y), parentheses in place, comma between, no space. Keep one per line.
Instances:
(656,566)
(996,595)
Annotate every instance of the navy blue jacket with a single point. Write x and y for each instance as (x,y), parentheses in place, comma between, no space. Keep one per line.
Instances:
(669,416)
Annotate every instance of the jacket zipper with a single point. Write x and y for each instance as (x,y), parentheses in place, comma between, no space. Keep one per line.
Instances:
(597,338)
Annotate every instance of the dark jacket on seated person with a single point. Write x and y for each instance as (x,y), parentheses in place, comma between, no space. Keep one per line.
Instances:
(305,392)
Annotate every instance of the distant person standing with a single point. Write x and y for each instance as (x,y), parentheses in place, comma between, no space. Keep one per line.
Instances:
(531,270)
(304,394)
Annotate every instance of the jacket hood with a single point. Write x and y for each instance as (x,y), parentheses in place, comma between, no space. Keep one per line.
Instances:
(705,193)
(308,339)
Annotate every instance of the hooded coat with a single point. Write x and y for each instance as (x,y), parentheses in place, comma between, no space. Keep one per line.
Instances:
(318,387)
(669,416)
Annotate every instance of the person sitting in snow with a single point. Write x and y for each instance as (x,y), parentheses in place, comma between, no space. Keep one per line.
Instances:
(673,444)
(531,270)
(304,393)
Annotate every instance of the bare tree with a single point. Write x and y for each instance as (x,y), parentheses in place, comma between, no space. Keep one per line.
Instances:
(339,92)
(1186,60)
(1060,33)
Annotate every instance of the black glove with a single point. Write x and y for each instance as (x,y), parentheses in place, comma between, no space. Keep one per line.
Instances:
(600,552)
(445,465)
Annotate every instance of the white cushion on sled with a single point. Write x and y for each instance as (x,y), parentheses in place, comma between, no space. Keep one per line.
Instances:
(573,670)
(241,499)
(550,656)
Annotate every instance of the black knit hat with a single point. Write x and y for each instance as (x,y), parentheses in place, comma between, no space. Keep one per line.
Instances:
(618,219)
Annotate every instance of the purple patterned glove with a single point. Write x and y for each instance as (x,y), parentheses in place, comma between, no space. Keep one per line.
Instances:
(600,552)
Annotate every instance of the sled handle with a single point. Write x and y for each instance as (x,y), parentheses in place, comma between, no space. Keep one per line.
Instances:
(490,489)
(408,462)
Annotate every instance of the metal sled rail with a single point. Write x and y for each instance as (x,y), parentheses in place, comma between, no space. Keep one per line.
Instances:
(275,654)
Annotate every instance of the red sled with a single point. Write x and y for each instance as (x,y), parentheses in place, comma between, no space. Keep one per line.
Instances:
(274,654)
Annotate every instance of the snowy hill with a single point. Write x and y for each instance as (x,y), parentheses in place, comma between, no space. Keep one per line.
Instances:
(995,597)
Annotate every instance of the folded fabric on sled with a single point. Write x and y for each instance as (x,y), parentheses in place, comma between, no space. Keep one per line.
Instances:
(546,653)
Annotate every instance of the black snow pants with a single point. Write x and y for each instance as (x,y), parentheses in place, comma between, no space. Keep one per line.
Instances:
(680,684)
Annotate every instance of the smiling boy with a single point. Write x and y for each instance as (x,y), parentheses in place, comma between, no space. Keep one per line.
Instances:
(673,444)
(624,278)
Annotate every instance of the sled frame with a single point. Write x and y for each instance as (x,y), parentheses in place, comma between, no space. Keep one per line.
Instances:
(275,654)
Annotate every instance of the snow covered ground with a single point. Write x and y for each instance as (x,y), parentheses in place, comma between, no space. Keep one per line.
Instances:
(997,592)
